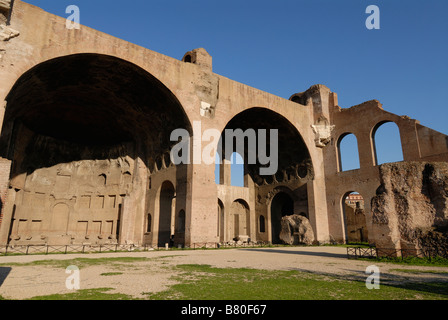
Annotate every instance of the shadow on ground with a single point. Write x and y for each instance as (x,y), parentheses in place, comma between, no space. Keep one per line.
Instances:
(4,272)
(307,253)
(429,283)
(423,283)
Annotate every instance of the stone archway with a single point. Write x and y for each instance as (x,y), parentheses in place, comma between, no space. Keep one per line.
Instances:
(86,128)
(264,127)
(261,128)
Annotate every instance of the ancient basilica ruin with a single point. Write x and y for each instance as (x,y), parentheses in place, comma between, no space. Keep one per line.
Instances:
(85,150)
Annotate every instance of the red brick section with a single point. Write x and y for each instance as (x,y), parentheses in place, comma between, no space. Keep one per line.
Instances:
(5,168)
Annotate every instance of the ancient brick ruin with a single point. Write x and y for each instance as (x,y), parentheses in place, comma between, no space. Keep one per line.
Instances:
(85,150)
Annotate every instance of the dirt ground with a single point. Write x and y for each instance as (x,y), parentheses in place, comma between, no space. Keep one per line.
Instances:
(156,273)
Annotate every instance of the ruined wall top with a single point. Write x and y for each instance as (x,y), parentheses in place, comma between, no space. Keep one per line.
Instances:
(313,91)
(199,57)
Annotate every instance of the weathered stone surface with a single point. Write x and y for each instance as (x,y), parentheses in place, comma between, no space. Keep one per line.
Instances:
(296,229)
(7,33)
(5,4)
(243,238)
(411,204)
(322,129)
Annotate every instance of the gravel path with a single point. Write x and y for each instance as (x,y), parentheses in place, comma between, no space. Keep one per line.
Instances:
(155,274)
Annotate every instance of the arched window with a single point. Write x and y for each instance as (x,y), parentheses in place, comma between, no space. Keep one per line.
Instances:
(387,143)
(187,59)
(348,152)
(262,224)
(237,170)
(102,179)
(127,178)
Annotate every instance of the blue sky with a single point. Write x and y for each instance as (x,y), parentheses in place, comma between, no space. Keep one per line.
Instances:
(285,46)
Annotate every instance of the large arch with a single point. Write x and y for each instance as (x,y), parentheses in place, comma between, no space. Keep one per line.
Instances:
(85,130)
(92,99)
(293,166)
(293,153)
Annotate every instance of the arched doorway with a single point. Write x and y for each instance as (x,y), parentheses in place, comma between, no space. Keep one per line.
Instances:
(275,157)
(282,205)
(74,128)
(269,147)
(167,193)
(354,218)
(239,220)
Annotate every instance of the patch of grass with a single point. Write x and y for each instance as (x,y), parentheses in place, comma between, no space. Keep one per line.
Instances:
(111,273)
(86,294)
(412,261)
(203,282)
(79,262)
